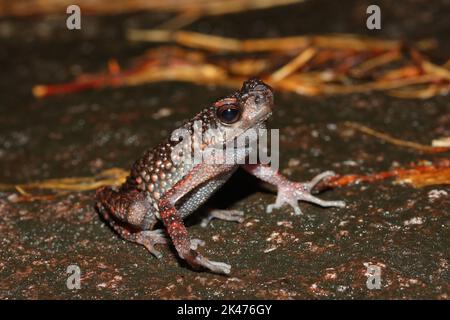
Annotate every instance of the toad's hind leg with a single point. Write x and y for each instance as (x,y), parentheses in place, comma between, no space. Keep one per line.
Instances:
(128,211)
(187,248)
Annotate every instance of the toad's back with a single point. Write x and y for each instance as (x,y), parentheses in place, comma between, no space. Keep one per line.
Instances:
(160,168)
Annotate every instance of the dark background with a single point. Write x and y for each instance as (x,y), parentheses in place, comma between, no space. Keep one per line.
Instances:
(318,255)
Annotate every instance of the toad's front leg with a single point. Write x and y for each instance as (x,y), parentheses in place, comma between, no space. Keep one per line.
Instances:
(291,192)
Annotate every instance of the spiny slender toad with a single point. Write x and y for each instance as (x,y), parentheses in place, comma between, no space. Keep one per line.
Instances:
(160,187)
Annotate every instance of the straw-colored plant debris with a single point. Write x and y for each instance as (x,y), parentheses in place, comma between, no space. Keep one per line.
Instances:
(113,177)
(306,65)
(183,7)
(420,179)
(441,142)
(418,175)
(437,146)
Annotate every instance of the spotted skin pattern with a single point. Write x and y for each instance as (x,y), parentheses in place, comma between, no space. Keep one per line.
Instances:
(162,188)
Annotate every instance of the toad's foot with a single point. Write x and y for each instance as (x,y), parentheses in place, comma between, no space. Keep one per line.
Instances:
(197,260)
(149,238)
(290,192)
(214,266)
(226,215)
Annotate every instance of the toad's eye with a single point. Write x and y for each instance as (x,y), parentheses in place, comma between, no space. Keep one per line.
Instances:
(229,113)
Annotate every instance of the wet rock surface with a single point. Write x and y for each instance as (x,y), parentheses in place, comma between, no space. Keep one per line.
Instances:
(321,254)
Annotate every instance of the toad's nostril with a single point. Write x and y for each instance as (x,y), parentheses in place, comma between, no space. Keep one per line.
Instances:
(261,98)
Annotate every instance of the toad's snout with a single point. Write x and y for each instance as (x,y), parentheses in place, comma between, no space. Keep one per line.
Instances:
(260,91)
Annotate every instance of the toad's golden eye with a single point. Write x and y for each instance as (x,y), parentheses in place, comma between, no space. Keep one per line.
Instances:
(229,113)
